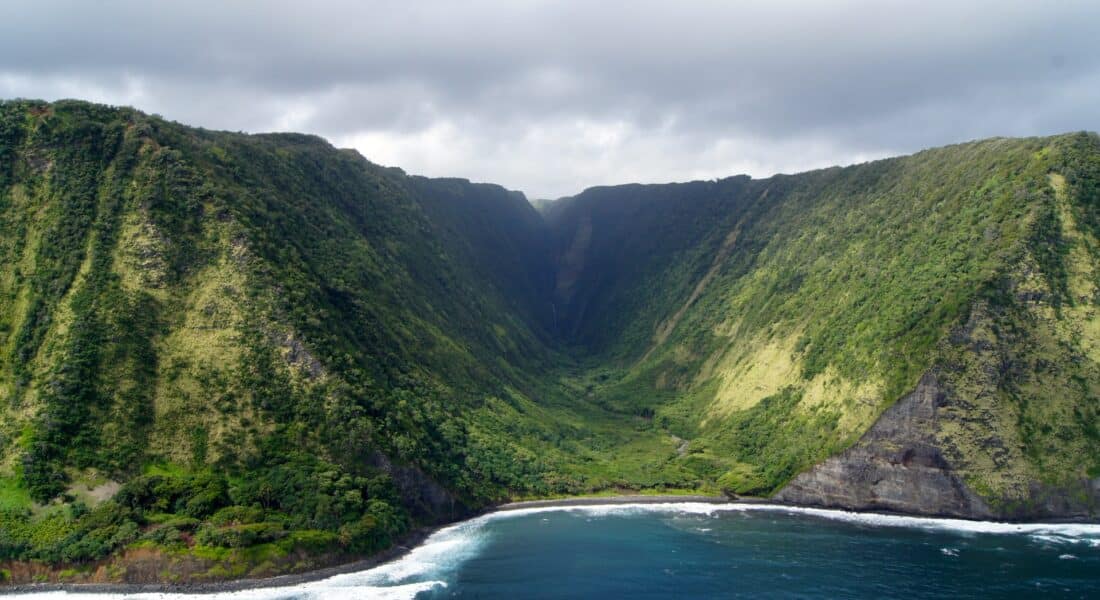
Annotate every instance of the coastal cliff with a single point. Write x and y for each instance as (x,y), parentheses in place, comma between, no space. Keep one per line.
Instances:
(896,466)
(237,352)
(901,465)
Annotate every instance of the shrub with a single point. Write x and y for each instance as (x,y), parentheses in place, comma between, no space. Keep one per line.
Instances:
(195,495)
(237,515)
(240,536)
(375,530)
(312,540)
(164,536)
(177,521)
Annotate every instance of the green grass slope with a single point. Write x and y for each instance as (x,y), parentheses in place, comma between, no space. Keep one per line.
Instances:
(771,321)
(226,354)
(220,341)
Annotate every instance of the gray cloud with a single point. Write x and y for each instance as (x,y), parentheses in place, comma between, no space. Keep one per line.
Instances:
(552,97)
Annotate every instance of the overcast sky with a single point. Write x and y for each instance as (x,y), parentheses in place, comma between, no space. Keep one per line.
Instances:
(553,97)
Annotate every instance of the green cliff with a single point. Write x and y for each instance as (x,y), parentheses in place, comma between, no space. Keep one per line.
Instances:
(226,354)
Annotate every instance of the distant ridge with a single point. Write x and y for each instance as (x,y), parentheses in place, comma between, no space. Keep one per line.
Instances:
(266,346)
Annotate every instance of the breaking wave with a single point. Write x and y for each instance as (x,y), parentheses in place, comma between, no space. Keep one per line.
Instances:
(429,565)
(1085,533)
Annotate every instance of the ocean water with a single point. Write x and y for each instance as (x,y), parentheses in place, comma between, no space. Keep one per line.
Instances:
(690,550)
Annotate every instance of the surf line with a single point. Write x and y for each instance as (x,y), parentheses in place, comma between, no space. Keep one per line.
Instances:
(429,564)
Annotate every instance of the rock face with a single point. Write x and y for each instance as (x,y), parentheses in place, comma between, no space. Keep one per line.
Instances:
(896,466)
(424,496)
(905,463)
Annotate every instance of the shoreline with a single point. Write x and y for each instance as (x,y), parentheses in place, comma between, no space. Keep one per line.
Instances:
(403,547)
(417,537)
(406,545)
(621,499)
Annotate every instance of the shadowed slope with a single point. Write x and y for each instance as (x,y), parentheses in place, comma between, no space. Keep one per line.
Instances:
(273,349)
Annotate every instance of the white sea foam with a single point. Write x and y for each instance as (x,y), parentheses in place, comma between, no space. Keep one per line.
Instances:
(309,591)
(428,565)
(429,562)
(1084,532)
(1048,533)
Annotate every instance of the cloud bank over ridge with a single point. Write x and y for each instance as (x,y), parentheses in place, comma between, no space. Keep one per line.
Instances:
(552,97)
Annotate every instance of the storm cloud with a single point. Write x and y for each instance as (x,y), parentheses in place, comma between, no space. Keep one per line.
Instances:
(553,97)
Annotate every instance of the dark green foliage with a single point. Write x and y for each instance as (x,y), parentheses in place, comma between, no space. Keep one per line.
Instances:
(639,233)
(1081,160)
(240,536)
(860,271)
(237,515)
(84,230)
(375,530)
(67,538)
(270,341)
(775,436)
(195,495)
(311,493)
(374,276)
(1049,250)
(360,514)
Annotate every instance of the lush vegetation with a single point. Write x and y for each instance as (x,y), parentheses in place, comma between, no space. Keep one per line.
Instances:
(771,321)
(301,495)
(238,351)
(223,305)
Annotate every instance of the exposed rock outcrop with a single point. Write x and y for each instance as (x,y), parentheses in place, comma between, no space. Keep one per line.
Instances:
(903,465)
(896,466)
(424,496)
